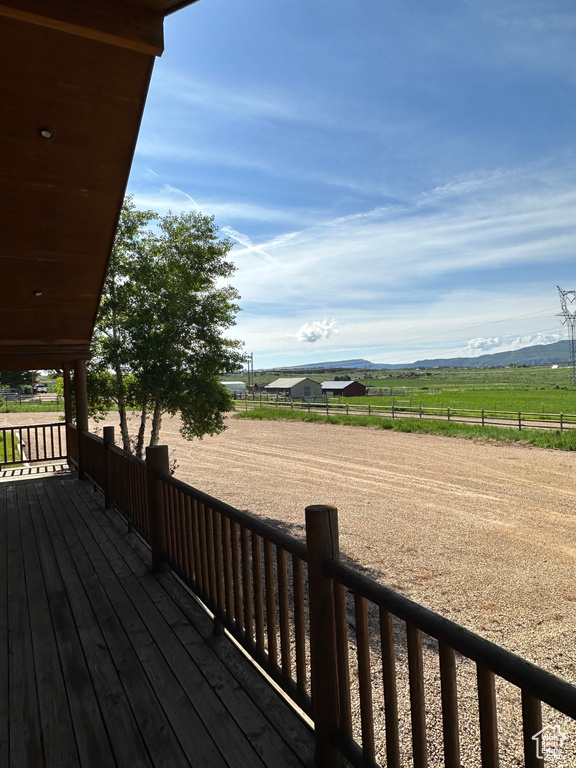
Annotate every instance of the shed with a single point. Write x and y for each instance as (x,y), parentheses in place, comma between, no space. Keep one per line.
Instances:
(237,388)
(295,388)
(343,389)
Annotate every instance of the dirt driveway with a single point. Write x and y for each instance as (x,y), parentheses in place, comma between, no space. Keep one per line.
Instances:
(484,533)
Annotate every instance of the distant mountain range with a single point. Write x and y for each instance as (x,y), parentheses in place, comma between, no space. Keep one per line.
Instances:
(541,354)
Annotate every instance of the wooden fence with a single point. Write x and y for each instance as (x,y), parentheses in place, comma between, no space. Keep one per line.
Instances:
(32,444)
(289,604)
(484,417)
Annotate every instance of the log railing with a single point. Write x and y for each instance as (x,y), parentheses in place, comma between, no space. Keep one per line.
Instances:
(32,444)
(127,489)
(340,644)
(249,574)
(377,612)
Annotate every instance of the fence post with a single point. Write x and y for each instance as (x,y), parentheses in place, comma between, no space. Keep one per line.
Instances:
(561,422)
(108,437)
(519,420)
(157,462)
(448,411)
(482,416)
(322,545)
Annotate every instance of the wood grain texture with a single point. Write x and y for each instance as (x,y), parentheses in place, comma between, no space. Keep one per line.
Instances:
(105,668)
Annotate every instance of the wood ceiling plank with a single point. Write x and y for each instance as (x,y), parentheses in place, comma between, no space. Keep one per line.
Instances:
(130,25)
(60,198)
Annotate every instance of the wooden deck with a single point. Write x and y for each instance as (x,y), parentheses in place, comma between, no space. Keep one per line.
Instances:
(103,663)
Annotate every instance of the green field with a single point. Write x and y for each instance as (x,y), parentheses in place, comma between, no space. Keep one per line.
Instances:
(435,379)
(536,389)
(10,457)
(525,400)
(13,407)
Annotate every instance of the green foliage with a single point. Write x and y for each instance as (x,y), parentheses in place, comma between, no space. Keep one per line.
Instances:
(17,378)
(159,344)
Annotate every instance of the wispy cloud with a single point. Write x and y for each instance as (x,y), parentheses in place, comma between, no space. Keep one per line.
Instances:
(494,226)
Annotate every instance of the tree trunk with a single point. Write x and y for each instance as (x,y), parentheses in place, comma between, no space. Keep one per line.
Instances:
(139,451)
(122,411)
(156,423)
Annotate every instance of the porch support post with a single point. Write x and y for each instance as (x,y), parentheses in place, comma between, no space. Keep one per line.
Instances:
(108,436)
(67,394)
(81,392)
(71,441)
(157,463)
(322,545)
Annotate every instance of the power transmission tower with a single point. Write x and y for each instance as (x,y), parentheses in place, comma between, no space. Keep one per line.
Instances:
(568,317)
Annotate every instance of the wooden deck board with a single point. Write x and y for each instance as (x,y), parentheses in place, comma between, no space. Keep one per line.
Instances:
(89,727)
(182,643)
(59,744)
(104,663)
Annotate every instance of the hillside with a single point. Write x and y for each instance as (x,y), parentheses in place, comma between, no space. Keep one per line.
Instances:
(540,354)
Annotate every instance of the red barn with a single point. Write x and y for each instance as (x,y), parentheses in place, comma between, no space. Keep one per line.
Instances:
(343,389)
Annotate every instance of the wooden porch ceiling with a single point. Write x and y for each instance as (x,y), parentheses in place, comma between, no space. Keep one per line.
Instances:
(78,72)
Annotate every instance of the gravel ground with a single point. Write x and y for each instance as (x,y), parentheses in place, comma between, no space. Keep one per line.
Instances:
(483,533)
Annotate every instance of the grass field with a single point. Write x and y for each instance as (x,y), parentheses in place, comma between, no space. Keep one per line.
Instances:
(526,400)
(8,456)
(31,407)
(533,377)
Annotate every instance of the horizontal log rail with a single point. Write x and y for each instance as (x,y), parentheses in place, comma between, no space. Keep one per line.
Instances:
(484,417)
(32,444)
(322,630)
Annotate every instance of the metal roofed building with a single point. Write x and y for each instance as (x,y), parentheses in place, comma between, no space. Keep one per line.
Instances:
(343,388)
(295,388)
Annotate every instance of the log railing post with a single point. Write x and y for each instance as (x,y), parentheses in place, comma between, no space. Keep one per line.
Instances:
(322,545)
(108,437)
(157,462)
(81,397)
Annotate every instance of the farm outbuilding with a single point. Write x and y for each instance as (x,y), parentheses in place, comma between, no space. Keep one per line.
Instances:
(238,388)
(343,388)
(294,388)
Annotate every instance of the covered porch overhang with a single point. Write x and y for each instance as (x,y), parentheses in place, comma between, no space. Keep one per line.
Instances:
(73,83)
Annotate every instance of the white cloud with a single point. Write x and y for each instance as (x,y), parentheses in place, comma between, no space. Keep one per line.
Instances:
(319,329)
(482,345)
(532,339)
(509,342)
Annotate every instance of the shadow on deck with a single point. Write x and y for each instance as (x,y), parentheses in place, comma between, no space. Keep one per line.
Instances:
(103,663)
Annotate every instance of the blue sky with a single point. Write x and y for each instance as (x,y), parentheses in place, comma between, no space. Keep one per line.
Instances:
(399,176)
